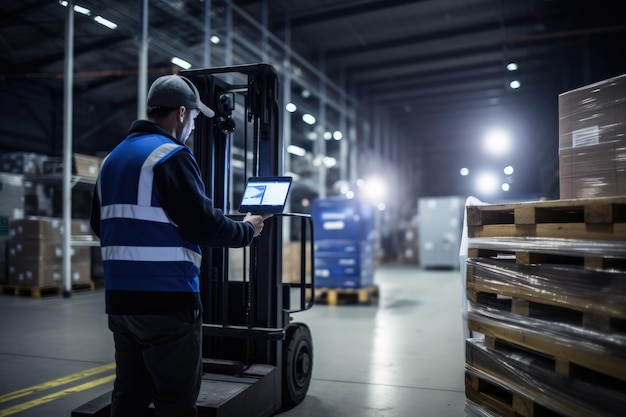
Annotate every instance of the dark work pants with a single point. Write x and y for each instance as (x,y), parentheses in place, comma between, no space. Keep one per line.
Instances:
(159,359)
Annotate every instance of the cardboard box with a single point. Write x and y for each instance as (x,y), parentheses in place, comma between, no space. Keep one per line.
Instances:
(42,274)
(292,264)
(26,163)
(11,195)
(47,228)
(592,140)
(86,166)
(33,250)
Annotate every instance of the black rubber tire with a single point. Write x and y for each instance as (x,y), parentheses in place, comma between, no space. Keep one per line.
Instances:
(297,364)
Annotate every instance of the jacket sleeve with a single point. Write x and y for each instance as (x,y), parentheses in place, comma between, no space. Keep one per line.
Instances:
(183,197)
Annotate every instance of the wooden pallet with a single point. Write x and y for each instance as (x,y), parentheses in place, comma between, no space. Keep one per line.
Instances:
(38,292)
(597,218)
(518,382)
(591,300)
(569,355)
(503,400)
(524,256)
(336,296)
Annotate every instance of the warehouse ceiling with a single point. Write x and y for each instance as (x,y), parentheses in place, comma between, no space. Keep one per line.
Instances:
(432,71)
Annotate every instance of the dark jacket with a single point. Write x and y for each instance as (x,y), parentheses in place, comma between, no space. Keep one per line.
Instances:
(182,196)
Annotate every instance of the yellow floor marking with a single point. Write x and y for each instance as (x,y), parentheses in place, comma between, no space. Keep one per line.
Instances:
(55,396)
(56,382)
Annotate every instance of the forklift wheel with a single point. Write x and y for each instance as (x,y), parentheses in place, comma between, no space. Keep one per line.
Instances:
(297,364)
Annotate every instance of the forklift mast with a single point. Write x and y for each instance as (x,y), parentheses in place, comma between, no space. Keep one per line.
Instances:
(247,310)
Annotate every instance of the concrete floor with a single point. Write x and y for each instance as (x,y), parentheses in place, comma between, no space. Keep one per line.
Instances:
(402,357)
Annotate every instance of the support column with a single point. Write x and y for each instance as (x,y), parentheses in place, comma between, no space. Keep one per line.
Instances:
(68,107)
(142,71)
(206,54)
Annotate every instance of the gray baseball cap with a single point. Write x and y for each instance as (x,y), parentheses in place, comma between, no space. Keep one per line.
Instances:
(175,91)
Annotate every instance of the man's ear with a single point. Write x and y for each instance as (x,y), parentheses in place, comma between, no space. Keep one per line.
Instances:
(181,113)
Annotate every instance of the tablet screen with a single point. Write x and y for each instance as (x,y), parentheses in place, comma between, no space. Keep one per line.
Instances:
(265,195)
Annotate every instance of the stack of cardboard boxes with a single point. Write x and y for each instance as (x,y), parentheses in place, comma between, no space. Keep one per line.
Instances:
(35,253)
(592,140)
(31,233)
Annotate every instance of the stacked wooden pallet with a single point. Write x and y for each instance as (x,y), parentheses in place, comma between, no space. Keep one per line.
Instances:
(546,283)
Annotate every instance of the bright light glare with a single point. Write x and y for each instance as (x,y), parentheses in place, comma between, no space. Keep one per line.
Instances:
(381,206)
(508,170)
(296,150)
(290,107)
(215,39)
(329,161)
(180,62)
(487,183)
(337,135)
(327,135)
(105,22)
(350,195)
(506,187)
(464,172)
(512,66)
(515,84)
(497,142)
(308,119)
(375,190)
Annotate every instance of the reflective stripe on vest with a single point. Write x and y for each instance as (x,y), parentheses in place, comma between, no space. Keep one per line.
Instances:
(150,254)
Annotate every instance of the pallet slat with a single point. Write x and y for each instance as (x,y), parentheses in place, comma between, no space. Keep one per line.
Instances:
(38,292)
(565,351)
(601,218)
(518,381)
(337,296)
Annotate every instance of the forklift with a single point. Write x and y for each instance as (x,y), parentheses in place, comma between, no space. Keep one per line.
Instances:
(256,361)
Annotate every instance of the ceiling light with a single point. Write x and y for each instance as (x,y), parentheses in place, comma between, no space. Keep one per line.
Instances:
(328,135)
(181,63)
(215,39)
(296,150)
(512,66)
(464,172)
(515,84)
(508,170)
(497,142)
(311,136)
(506,187)
(290,107)
(337,135)
(77,8)
(82,10)
(105,22)
(306,93)
(308,119)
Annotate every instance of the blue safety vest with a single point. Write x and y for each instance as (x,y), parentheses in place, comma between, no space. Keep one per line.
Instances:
(142,249)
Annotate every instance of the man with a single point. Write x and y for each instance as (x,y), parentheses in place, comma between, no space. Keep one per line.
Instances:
(151,214)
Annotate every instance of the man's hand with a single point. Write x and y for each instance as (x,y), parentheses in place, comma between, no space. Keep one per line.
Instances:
(256,220)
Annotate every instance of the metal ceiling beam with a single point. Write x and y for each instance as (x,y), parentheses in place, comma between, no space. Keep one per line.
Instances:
(337,12)
(469,30)
(22,11)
